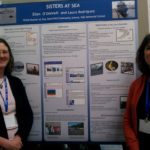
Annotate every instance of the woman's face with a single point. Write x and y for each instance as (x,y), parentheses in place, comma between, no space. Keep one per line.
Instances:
(4,56)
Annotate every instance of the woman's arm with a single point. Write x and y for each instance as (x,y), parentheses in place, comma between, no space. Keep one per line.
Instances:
(14,144)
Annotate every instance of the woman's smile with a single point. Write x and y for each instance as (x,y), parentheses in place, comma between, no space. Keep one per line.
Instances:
(4,56)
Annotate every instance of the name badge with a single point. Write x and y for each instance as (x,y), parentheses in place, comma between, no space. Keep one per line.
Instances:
(10,121)
(144,126)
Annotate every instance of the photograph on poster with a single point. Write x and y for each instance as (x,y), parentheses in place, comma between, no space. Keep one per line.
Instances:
(75,97)
(96,69)
(111,65)
(32,69)
(53,128)
(75,75)
(124,35)
(18,66)
(123,9)
(127,68)
(7,15)
(123,100)
(53,90)
(53,68)
(31,38)
(75,128)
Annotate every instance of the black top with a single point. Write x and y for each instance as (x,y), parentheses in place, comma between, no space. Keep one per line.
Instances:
(144,139)
(141,110)
(24,114)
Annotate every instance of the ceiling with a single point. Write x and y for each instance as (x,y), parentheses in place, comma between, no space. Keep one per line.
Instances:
(23,1)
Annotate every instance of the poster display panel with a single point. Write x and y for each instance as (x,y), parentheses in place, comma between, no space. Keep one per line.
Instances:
(77,60)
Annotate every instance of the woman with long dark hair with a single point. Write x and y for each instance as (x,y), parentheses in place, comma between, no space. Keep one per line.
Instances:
(137,114)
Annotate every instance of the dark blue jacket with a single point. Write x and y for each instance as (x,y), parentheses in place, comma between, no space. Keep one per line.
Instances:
(24,112)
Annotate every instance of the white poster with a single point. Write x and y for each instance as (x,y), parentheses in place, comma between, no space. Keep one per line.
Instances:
(112,69)
(65,102)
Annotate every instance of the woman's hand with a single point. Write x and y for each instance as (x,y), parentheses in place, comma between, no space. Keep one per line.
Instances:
(16,142)
(13,144)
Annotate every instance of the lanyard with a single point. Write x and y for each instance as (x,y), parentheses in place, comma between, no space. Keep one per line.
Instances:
(6,96)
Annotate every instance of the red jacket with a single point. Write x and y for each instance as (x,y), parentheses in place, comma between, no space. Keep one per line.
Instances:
(130,116)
